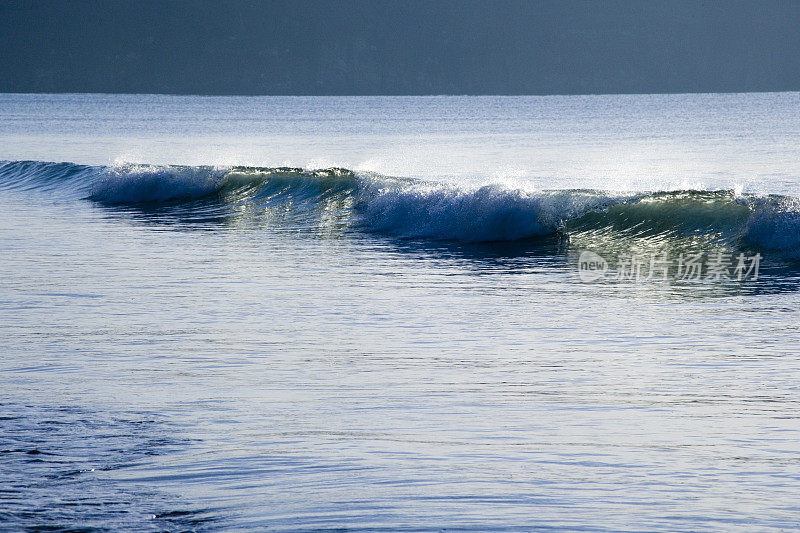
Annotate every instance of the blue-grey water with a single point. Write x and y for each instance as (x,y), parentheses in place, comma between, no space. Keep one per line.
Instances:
(357,313)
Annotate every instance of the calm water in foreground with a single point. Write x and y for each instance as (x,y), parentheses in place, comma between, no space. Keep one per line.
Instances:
(195,339)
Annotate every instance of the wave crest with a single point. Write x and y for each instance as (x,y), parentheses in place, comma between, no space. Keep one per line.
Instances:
(126,184)
(486,213)
(416,209)
(775,225)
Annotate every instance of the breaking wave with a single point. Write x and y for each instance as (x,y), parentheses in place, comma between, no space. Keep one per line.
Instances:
(420,209)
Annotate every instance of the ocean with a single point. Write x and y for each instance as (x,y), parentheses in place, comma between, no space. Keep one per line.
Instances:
(570,313)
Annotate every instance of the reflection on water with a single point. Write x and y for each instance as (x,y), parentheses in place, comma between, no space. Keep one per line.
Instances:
(336,216)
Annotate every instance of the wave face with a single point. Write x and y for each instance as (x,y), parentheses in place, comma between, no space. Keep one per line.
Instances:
(418,209)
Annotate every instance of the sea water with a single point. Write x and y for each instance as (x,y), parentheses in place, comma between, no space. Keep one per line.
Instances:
(370,313)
